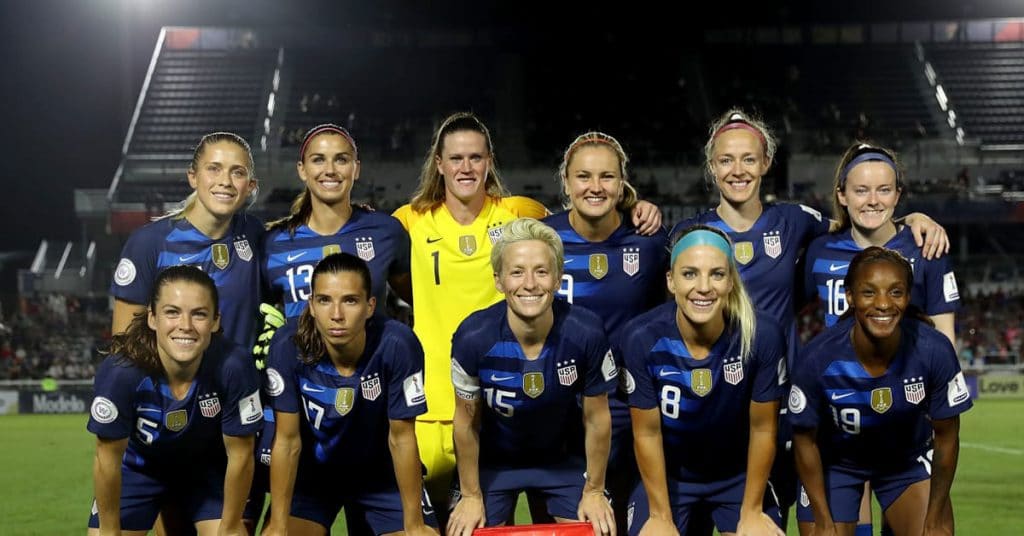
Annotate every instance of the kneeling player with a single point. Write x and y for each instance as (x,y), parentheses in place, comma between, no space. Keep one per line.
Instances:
(358,382)
(519,367)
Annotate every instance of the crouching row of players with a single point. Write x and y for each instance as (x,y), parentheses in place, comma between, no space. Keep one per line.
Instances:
(703,375)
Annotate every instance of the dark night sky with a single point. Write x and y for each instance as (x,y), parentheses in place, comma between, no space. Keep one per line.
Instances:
(72,70)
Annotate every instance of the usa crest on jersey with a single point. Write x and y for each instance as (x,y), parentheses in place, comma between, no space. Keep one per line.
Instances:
(494,234)
(371,387)
(567,372)
(364,248)
(631,261)
(243,250)
(209,406)
(733,371)
(772,244)
(913,389)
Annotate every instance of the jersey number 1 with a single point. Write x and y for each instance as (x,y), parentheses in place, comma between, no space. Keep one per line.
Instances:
(437,267)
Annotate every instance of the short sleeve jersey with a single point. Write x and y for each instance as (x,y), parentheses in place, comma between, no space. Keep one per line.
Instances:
(375,237)
(530,411)
(704,403)
(451,278)
(232,262)
(345,419)
(166,435)
(934,288)
(882,422)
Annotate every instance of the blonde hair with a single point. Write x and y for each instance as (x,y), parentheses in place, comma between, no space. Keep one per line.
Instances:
(839,212)
(430,191)
(737,115)
(739,310)
(600,139)
(523,229)
(189,202)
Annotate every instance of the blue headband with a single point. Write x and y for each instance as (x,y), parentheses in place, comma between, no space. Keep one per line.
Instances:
(870,156)
(701,237)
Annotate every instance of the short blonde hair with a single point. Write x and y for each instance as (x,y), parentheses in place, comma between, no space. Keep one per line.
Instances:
(524,229)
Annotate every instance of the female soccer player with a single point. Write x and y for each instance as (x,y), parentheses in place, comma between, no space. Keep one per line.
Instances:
(704,380)
(324,221)
(345,391)
(868,184)
(211,232)
(175,415)
(518,368)
(609,269)
(865,402)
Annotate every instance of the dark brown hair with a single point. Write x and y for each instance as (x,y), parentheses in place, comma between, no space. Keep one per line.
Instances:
(307,339)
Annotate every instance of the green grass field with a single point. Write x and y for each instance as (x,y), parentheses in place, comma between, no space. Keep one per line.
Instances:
(47,473)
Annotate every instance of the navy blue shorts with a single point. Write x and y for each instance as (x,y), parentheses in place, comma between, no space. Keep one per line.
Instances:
(559,485)
(379,507)
(722,498)
(200,497)
(845,489)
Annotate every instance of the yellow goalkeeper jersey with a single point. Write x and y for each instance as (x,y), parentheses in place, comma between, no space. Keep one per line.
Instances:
(451,278)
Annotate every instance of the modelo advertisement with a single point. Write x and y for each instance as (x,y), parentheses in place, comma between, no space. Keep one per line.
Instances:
(1001,386)
(65,400)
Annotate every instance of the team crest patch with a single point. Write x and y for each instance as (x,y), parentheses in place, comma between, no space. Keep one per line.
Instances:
(913,389)
(772,244)
(567,372)
(364,248)
(176,420)
(467,244)
(344,400)
(733,372)
(243,250)
(881,399)
(744,252)
(219,253)
(700,381)
(125,272)
(370,386)
(631,261)
(330,249)
(598,265)
(533,384)
(494,234)
(210,406)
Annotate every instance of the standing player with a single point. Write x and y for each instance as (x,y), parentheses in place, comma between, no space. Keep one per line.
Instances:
(518,368)
(357,381)
(610,269)
(324,221)
(211,232)
(869,394)
(455,216)
(704,376)
(175,414)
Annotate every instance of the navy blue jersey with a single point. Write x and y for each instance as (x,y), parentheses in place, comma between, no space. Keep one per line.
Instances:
(768,252)
(876,423)
(230,261)
(618,278)
(531,414)
(375,237)
(166,435)
(934,289)
(347,418)
(704,403)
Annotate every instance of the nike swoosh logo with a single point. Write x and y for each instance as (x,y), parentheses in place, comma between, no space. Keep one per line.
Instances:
(567,261)
(307,388)
(296,256)
(188,257)
(495,378)
(432,240)
(837,396)
(664,373)
(835,267)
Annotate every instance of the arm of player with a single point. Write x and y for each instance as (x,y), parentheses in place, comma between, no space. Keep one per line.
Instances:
(944,460)
(594,506)
(408,474)
(284,463)
(106,477)
(928,234)
(124,312)
(812,476)
(646,218)
(650,458)
(946,324)
(764,422)
(237,480)
(469,511)
(402,285)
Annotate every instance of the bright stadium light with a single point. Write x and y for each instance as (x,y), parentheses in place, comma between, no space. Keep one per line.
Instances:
(940,95)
